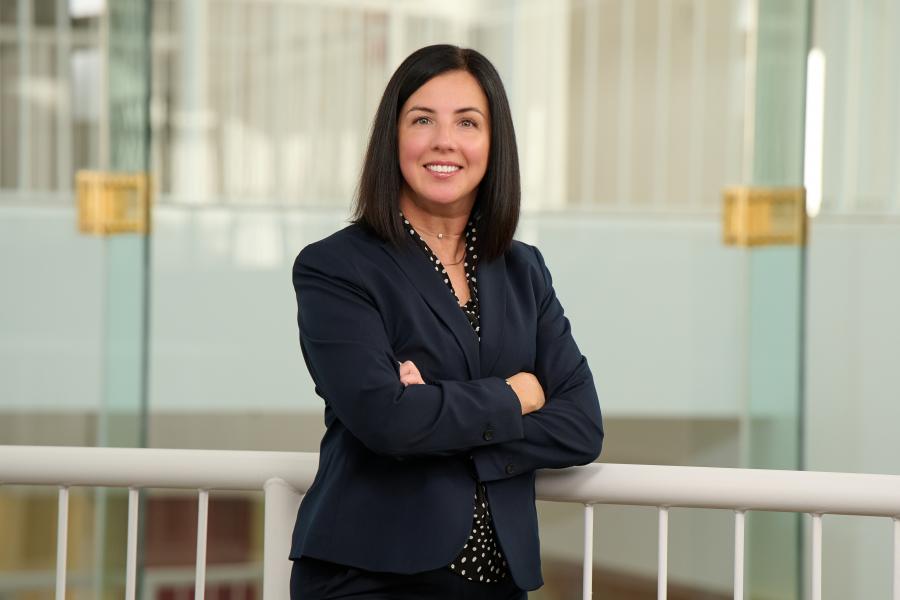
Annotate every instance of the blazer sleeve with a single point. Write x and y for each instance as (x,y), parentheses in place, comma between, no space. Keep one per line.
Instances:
(568,430)
(349,356)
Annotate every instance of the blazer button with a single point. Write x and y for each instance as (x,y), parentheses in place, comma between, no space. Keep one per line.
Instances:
(510,469)
(488,435)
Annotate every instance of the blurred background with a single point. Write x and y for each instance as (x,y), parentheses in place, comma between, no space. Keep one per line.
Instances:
(251,117)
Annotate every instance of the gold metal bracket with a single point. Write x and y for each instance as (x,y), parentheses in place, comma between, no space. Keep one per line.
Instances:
(110,203)
(764,216)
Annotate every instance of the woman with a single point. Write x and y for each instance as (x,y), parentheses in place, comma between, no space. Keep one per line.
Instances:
(447,367)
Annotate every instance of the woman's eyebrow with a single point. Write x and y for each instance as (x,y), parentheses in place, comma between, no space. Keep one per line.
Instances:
(457,111)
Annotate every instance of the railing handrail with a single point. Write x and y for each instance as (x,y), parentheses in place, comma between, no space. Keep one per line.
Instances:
(814,492)
(284,476)
(231,470)
(598,483)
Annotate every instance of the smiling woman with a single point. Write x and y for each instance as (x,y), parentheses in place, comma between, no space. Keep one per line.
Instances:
(444,140)
(435,95)
(446,364)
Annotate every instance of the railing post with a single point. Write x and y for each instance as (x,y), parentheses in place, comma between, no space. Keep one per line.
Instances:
(662,576)
(896,521)
(282,501)
(739,516)
(131,548)
(202,524)
(588,575)
(62,541)
(816,570)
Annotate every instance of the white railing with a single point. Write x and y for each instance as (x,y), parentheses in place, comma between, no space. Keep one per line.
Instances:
(284,476)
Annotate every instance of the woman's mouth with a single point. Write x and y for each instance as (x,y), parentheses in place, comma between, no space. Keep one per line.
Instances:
(442,170)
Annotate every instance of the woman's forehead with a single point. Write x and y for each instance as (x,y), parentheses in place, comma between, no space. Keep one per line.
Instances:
(454,91)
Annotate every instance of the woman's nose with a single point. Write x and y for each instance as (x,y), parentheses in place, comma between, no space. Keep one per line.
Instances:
(443,137)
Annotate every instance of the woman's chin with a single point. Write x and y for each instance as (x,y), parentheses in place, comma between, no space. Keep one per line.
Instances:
(445,201)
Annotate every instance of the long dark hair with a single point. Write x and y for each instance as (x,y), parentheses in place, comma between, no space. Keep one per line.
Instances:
(498,198)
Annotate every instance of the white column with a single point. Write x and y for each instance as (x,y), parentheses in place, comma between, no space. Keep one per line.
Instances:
(555,20)
(626,103)
(813,150)
(283,29)
(698,104)
(731,145)
(64,173)
(661,141)
(23,25)
(282,502)
(316,81)
(591,91)
(749,20)
(846,200)
(192,168)
(102,159)
(396,37)
(892,23)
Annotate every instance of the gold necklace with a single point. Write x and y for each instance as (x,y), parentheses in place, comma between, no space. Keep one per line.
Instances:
(439,236)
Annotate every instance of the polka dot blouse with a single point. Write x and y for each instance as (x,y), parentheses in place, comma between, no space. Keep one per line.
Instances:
(480,558)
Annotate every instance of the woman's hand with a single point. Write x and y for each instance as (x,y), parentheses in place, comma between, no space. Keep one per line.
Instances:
(529,390)
(409,374)
(525,385)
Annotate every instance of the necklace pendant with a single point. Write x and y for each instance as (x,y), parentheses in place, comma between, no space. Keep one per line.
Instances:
(440,236)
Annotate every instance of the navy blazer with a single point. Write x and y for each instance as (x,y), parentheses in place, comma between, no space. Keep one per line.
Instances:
(394,489)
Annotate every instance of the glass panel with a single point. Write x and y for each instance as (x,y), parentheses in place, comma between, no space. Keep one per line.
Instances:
(122,420)
(51,312)
(776,276)
(51,316)
(853,325)
(71,337)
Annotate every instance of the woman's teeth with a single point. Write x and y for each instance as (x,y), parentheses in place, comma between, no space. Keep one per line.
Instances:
(442,168)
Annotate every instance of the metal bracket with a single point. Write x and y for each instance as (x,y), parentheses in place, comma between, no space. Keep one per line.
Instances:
(764,216)
(111,203)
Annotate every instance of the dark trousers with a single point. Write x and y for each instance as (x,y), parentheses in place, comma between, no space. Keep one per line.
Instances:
(313,579)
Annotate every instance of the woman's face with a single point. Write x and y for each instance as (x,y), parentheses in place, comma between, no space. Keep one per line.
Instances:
(444,139)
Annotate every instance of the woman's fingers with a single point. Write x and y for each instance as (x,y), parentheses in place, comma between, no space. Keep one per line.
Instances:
(409,373)
(411,379)
(529,391)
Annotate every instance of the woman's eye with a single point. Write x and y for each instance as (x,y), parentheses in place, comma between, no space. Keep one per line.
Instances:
(468,123)
(421,121)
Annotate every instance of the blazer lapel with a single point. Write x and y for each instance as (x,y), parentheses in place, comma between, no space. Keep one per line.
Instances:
(436,294)
(491,280)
